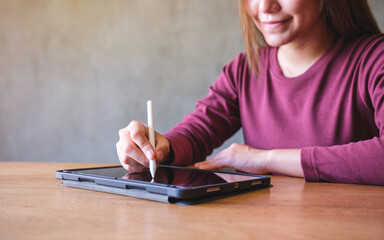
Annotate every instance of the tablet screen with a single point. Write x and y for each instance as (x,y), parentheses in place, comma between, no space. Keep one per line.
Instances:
(180,177)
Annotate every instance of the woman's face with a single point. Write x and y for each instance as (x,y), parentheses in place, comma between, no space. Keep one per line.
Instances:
(286,21)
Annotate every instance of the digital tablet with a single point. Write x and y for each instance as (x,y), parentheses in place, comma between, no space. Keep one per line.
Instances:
(174,183)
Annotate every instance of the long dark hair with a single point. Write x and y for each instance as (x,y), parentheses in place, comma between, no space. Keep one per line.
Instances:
(345,17)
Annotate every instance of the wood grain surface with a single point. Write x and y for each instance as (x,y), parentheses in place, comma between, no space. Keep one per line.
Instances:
(33,205)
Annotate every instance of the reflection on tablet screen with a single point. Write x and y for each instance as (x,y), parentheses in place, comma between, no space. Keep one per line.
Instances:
(174,176)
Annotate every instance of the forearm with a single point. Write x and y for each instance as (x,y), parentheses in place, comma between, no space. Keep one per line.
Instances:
(357,162)
(285,161)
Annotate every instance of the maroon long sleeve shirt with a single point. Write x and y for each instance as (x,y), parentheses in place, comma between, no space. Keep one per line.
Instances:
(334,112)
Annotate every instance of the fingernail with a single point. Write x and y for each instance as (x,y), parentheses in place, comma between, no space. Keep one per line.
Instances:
(149,154)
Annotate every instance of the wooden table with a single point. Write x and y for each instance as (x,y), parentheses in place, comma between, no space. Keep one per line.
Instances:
(33,205)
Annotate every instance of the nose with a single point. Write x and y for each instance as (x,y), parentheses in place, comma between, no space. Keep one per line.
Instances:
(268,6)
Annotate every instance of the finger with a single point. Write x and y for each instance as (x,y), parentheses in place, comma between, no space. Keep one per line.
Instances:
(209,165)
(138,133)
(137,153)
(127,150)
(215,162)
(159,157)
(205,165)
(125,166)
(162,148)
(123,158)
(130,164)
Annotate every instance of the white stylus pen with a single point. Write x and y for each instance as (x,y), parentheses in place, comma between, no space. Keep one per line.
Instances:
(151,130)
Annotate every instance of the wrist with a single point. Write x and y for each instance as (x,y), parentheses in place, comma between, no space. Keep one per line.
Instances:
(284,161)
(268,161)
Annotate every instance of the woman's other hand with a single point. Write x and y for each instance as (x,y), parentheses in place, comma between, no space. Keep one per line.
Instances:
(251,160)
(240,157)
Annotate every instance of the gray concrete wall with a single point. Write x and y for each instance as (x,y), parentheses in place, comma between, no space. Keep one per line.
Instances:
(73,72)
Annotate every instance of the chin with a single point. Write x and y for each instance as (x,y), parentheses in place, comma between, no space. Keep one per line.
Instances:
(276,42)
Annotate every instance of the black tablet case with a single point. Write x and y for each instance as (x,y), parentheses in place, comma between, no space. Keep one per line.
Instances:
(137,193)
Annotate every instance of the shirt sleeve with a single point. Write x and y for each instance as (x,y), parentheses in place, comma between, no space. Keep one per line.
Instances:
(214,120)
(357,162)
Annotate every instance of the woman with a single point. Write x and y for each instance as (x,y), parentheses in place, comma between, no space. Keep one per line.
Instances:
(310,102)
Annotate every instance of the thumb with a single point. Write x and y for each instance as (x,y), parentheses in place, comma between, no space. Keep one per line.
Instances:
(162,148)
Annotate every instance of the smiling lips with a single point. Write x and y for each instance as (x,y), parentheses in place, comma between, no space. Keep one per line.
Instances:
(271,25)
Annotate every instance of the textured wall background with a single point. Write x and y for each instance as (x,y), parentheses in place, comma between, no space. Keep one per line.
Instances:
(73,72)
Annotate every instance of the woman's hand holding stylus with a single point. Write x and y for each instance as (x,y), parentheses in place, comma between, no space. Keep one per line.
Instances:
(134,148)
